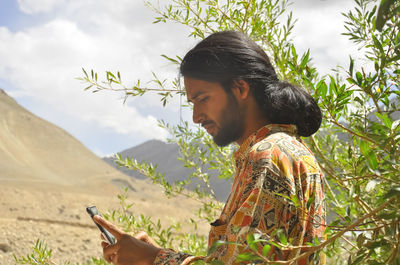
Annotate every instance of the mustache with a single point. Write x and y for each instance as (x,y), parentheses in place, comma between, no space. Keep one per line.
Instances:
(207,122)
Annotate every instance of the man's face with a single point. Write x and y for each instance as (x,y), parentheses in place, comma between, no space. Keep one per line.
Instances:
(216,110)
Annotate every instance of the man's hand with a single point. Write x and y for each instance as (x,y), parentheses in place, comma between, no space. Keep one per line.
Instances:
(143,236)
(128,250)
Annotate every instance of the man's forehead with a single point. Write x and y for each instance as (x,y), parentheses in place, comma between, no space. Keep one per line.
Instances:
(194,86)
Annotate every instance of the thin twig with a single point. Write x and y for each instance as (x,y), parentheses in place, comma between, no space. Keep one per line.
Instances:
(125,89)
(245,14)
(395,251)
(173,19)
(187,5)
(226,16)
(350,243)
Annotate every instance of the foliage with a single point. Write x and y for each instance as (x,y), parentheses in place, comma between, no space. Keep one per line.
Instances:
(357,145)
(387,10)
(165,236)
(40,255)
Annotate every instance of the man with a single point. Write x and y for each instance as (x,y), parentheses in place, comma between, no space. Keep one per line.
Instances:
(237,97)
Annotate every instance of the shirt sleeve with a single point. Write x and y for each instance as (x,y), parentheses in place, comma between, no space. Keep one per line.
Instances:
(171,257)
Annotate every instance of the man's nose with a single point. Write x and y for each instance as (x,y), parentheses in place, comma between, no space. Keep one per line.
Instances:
(198,117)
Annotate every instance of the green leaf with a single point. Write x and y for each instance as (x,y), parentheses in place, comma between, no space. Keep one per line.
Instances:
(395,191)
(86,88)
(351,80)
(388,216)
(333,86)
(170,59)
(84,71)
(217,262)
(219,243)
(282,237)
(372,160)
(377,43)
(250,238)
(395,125)
(266,250)
(383,10)
(294,53)
(351,67)
(322,89)
(393,59)
(247,257)
(305,59)
(310,200)
(376,65)
(364,147)
(359,78)
(385,119)
(360,240)
(359,259)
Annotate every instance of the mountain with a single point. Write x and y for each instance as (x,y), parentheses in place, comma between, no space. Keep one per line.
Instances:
(48,178)
(36,152)
(165,156)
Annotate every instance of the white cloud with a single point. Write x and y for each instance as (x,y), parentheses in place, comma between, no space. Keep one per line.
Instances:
(121,118)
(38,6)
(319,28)
(42,61)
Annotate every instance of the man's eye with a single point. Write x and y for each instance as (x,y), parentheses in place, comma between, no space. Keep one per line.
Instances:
(204,99)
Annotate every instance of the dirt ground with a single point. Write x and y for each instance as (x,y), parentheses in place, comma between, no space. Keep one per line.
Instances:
(57,215)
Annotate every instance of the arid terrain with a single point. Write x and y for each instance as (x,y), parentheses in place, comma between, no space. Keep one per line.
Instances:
(59,218)
(48,178)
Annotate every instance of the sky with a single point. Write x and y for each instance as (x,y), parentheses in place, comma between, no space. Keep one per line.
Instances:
(45,43)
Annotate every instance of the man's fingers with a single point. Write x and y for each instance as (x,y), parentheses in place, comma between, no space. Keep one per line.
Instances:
(109,226)
(114,259)
(143,236)
(109,251)
(104,244)
(108,256)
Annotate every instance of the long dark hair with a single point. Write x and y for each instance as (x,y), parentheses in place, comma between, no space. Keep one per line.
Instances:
(228,56)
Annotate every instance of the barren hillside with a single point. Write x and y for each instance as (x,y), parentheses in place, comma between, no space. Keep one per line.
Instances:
(47,178)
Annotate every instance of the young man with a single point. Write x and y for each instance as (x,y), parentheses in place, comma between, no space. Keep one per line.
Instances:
(237,97)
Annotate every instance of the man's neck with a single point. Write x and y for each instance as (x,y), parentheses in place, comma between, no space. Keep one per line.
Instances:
(251,129)
(253,117)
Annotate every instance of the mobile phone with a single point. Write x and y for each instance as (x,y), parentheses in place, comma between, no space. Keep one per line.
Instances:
(92,211)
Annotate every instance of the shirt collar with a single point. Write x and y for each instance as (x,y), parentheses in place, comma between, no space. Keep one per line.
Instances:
(261,133)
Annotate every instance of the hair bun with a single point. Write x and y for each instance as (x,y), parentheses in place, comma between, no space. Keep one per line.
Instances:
(288,104)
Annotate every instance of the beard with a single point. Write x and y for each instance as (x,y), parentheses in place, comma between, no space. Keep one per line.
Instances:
(231,124)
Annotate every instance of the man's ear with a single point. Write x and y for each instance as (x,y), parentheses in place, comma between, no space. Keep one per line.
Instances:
(241,89)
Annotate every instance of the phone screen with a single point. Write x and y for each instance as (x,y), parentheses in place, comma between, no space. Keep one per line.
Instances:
(92,211)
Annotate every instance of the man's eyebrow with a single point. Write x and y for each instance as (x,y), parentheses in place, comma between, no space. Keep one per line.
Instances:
(196,96)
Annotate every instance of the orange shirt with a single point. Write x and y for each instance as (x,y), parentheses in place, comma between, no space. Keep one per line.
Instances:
(272,165)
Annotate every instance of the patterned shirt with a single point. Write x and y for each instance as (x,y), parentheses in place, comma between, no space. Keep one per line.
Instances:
(273,168)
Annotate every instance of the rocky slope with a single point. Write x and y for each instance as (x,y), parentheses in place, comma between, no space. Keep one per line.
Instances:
(47,178)
(164,155)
